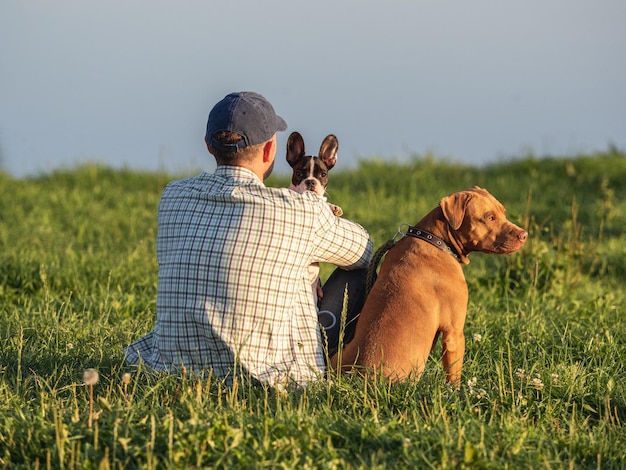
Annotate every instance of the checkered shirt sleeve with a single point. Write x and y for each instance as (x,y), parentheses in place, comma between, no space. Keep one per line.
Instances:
(234,292)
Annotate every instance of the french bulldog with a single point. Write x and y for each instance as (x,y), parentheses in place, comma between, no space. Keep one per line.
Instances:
(310,173)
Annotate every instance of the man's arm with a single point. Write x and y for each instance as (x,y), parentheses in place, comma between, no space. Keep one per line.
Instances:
(343,243)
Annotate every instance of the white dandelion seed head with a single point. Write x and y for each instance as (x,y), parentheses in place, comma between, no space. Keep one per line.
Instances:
(91,376)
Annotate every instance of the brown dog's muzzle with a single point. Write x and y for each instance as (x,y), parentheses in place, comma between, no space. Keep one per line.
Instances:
(510,241)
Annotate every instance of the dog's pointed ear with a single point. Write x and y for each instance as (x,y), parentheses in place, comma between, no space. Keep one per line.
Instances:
(328,150)
(295,148)
(454,207)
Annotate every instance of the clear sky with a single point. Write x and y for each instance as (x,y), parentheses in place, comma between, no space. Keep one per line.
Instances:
(130,82)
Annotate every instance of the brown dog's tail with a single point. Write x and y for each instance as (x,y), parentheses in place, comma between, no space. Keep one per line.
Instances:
(372,272)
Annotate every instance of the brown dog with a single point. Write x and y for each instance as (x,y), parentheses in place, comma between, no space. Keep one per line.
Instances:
(421,290)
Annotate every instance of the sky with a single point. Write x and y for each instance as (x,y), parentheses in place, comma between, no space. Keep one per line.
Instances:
(130,83)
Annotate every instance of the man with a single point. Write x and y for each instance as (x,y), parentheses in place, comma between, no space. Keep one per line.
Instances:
(234,295)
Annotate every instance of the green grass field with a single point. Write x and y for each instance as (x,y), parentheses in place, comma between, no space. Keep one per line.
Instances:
(544,382)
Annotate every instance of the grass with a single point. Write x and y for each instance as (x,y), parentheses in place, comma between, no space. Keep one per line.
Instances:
(544,378)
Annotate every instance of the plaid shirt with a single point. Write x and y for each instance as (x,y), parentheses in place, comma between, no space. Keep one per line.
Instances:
(234,290)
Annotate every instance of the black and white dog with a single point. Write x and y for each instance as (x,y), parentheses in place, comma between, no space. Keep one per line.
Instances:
(310,173)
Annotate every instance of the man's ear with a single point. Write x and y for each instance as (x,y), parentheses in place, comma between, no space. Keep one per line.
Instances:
(267,150)
(208,147)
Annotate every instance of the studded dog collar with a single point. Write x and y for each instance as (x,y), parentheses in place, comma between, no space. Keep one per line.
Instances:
(433,240)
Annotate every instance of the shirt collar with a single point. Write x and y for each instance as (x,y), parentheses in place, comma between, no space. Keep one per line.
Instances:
(238,173)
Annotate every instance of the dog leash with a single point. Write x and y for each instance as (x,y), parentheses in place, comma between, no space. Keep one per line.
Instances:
(372,269)
(372,273)
(413,232)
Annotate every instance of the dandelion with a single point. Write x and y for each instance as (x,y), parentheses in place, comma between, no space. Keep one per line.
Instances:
(478,337)
(125,382)
(90,378)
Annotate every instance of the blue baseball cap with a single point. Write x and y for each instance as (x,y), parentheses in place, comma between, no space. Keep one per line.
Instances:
(247,113)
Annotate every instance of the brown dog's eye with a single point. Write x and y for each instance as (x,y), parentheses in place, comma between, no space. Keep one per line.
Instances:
(490,217)
(323,174)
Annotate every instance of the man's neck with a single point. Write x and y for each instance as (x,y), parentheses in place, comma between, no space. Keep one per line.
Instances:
(245,167)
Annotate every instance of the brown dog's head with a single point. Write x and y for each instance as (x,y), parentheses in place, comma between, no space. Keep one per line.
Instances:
(478,222)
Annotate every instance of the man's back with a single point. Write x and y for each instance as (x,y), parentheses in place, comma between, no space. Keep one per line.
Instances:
(234,289)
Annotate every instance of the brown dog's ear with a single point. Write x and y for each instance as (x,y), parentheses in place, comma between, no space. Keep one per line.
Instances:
(295,148)
(328,151)
(480,190)
(454,207)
